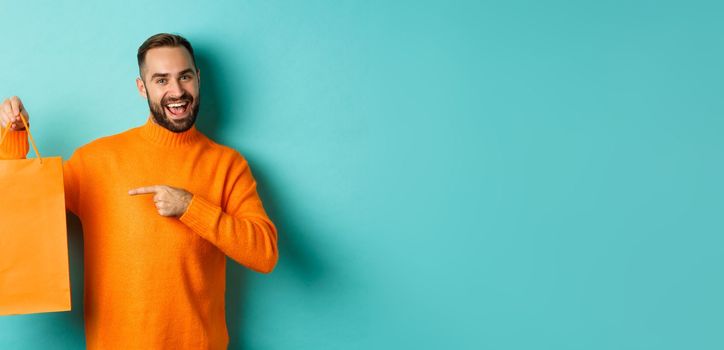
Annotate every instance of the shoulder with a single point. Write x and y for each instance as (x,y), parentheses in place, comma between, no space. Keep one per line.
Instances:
(227,154)
(106,144)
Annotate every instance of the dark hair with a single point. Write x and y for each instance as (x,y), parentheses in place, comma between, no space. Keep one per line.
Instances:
(163,40)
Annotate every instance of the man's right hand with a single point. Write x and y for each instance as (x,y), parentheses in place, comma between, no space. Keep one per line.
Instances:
(9,113)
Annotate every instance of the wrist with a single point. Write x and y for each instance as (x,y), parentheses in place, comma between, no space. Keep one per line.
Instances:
(19,128)
(187,202)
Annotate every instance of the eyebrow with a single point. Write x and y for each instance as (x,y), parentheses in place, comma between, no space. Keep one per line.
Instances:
(165,75)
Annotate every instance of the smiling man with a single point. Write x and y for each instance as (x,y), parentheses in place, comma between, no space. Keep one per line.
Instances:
(162,205)
(173,96)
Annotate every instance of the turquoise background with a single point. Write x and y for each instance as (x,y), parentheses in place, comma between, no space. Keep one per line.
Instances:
(444,174)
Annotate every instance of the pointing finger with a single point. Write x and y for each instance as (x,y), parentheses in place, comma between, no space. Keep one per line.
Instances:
(143,190)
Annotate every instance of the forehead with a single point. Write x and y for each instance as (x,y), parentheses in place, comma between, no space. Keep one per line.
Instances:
(167,60)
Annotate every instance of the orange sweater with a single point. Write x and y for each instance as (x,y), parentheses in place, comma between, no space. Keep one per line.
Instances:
(154,282)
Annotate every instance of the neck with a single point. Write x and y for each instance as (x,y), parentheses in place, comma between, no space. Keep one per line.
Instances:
(156,133)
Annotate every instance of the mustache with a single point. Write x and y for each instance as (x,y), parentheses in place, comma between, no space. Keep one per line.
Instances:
(186,97)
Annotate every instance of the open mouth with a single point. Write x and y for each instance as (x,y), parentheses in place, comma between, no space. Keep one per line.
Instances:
(177,109)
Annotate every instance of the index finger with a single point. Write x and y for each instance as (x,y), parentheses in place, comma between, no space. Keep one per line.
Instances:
(143,190)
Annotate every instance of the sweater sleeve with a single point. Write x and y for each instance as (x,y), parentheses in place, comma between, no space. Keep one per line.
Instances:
(241,228)
(15,145)
(71,175)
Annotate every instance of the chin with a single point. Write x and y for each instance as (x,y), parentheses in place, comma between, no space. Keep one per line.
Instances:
(178,120)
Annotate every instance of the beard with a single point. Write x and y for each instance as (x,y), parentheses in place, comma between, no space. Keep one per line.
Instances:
(158,111)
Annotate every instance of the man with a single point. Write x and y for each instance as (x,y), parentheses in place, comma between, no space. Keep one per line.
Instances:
(162,206)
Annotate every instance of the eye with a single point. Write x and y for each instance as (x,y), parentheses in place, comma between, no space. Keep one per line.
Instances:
(161,81)
(186,77)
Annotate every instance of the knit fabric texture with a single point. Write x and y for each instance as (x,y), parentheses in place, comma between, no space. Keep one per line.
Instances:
(155,282)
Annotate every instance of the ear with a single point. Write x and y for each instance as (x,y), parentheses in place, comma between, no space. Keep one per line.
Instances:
(141,87)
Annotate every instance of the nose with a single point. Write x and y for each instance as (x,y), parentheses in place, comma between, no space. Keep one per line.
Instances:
(174,89)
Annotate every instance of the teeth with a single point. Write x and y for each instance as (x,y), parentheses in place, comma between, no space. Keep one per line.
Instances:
(176,104)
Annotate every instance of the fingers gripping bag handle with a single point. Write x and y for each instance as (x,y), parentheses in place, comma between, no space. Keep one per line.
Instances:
(30,135)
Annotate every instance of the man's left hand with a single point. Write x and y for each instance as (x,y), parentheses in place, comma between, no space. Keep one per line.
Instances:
(170,201)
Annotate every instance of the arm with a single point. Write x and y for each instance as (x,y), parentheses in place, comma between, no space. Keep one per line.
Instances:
(239,227)
(249,240)
(71,175)
(15,145)
(243,231)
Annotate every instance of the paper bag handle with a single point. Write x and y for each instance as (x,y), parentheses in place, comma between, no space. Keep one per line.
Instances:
(30,136)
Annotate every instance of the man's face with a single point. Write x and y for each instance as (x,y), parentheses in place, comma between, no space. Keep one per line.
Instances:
(170,83)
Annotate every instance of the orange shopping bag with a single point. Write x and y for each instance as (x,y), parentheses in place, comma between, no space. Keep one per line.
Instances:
(34,274)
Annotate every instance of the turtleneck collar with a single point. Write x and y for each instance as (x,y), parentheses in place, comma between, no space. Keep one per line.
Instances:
(162,136)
